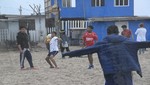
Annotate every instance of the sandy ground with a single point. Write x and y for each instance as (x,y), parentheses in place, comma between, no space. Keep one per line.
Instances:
(72,71)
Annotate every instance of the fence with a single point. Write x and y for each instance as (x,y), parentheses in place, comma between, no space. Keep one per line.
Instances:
(70,24)
(73,29)
(8,39)
(3,34)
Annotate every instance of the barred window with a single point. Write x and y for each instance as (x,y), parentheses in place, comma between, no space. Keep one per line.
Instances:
(69,3)
(121,2)
(97,3)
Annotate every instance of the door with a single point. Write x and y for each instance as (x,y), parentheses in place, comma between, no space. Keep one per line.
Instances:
(119,24)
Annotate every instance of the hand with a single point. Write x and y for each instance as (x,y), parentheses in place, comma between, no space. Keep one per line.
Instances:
(21,51)
(59,39)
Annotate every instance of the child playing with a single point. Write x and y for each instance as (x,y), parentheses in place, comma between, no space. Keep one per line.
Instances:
(53,50)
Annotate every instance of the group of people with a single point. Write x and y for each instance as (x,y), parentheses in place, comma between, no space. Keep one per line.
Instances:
(117,54)
(140,33)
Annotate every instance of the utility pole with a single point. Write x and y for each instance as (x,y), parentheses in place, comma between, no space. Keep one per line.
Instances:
(20,10)
(55,9)
(0,9)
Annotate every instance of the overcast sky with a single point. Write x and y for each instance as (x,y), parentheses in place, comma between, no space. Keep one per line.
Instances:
(12,6)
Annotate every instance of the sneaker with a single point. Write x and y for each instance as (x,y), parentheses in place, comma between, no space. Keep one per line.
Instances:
(91,66)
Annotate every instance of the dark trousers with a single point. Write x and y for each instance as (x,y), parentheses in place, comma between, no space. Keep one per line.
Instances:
(63,49)
(118,79)
(26,54)
(47,46)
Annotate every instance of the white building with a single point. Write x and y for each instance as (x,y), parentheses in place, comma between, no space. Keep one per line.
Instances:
(9,26)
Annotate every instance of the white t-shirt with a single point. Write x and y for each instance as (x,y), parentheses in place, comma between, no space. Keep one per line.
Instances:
(141,34)
(54,44)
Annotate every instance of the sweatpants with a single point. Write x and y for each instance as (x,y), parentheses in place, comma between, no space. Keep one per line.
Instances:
(26,54)
(63,48)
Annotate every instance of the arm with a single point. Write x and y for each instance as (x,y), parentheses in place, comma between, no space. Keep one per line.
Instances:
(85,51)
(19,43)
(136,32)
(83,40)
(143,45)
(29,46)
(95,37)
(130,33)
(138,45)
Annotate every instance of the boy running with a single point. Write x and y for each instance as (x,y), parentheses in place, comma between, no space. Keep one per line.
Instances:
(89,39)
(53,50)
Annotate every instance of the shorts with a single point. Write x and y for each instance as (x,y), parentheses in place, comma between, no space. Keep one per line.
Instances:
(54,53)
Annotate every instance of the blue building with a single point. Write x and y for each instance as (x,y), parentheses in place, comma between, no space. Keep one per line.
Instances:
(77,14)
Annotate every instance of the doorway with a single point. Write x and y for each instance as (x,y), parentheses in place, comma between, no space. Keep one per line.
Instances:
(119,24)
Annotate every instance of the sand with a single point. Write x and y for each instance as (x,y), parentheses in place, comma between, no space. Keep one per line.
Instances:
(72,71)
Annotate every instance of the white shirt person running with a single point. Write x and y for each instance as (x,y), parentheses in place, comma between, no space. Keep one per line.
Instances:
(141,33)
(53,50)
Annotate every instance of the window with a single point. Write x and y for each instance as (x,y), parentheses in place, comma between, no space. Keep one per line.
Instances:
(69,3)
(96,3)
(121,2)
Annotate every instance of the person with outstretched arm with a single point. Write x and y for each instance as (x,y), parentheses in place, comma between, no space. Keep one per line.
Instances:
(117,55)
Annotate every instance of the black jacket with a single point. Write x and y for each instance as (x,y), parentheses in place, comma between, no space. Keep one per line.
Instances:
(22,39)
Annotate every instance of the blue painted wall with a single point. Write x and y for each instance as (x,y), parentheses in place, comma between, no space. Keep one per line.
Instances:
(133,25)
(101,28)
(84,9)
(72,12)
(108,10)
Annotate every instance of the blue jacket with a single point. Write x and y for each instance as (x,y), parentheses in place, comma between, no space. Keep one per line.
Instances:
(116,54)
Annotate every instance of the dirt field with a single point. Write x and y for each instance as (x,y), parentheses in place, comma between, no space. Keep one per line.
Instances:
(72,71)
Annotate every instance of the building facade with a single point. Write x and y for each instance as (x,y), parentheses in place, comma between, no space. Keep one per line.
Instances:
(103,13)
(9,26)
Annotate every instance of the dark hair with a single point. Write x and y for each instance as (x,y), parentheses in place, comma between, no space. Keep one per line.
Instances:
(62,31)
(22,27)
(141,25)
(91,27)
(113,29)
(54,32)
(124,26)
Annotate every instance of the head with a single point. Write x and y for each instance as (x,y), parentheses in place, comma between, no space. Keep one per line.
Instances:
(49,35)
(113,29)
(141,25)
(62,32)
(90,28)
(54,34)
(22,29)
(124,27)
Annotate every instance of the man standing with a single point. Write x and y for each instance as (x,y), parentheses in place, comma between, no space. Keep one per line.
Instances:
(89,39)
(141,35)
(126,32)
(64,43)
(23,46)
